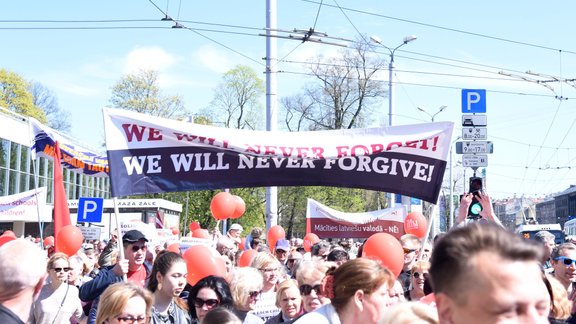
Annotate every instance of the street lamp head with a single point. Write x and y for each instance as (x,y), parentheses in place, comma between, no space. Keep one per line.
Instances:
(441,109)
(410,38)
(376,39)
(421,109)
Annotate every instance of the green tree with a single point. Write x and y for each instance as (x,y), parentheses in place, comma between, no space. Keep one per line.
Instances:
(15,96)
(237,99)
(140,92)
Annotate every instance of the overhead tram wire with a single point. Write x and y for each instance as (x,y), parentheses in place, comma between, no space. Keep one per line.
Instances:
(445,28)
(178,25)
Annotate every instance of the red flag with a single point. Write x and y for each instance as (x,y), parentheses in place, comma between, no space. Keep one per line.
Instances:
(61,211)
(159,222)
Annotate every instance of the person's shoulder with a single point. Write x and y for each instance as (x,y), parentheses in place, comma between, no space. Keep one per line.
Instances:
(319,316)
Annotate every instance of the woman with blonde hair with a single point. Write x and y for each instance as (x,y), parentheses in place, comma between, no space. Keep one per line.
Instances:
(289,300)
(358,291)
(246,287)
(418,276)
(272,271)
(124,302)
(58,301)
(309,276)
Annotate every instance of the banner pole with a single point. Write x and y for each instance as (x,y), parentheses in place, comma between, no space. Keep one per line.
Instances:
(428,230)
(119,234)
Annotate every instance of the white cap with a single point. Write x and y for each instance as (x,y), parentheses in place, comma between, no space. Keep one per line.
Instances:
(236,227)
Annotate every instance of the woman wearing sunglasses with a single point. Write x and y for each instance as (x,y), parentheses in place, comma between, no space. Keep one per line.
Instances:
(358,291)
(246,286)
(167,282)
(418,276)
(309,276)
(124,303)
(58,301)
(209,293)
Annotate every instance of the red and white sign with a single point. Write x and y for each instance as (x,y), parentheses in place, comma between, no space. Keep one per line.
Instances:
(24,206)
(329,223)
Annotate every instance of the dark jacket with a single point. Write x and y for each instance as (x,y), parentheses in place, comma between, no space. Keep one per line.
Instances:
(91,290)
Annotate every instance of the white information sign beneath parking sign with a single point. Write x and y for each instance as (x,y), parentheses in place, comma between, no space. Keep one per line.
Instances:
(474,133)
(475,161)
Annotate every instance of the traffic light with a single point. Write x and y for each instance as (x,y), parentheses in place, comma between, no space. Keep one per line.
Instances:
(475,207)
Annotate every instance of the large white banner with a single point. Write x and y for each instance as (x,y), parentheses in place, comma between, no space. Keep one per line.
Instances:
(150,155)
(330,223)
(24,206)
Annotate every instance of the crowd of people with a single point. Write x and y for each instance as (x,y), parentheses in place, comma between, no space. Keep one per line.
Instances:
(475,273)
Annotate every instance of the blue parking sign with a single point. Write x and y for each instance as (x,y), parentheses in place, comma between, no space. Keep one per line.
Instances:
(473,101)
(90,210)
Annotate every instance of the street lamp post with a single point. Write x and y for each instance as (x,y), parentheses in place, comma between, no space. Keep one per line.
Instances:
(378,41)
(440,109)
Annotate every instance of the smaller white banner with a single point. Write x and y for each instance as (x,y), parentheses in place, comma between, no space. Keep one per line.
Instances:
(330,223)
(90,233)
(23,207)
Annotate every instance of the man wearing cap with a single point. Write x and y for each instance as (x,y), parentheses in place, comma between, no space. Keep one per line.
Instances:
(234,233)
(281,252)
(134,243)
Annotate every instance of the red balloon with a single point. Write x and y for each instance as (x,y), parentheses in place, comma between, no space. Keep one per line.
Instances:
(9,233)
(174,247)
(415,223)
(175,231)
(309,240)
(201,262)
(222,205)
(200,233)
(6,238)
(69,240)
(246,258)
(387,249)
(48,241)
(239,207)
(194,225)
(275,233)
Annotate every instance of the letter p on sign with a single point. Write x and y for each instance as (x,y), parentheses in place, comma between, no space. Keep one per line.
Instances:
(90,210)
(473,101)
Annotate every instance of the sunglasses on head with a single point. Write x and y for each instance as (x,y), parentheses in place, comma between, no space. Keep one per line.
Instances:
(136,248)
(199,302)
(566,260)
(418,274)
(307,289)
(254,294)
(61,269)
(407,250)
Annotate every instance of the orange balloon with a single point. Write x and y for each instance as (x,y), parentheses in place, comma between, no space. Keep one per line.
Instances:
(246,258)
(275,233)
(309,240)
(175,231)
(239,207)
(194,225)
(9,233)
(174,247)
(69,240)
(201,233)
(387,249)
(6,238)
(201,262)
(48,241)
(416,224)
(222,205)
